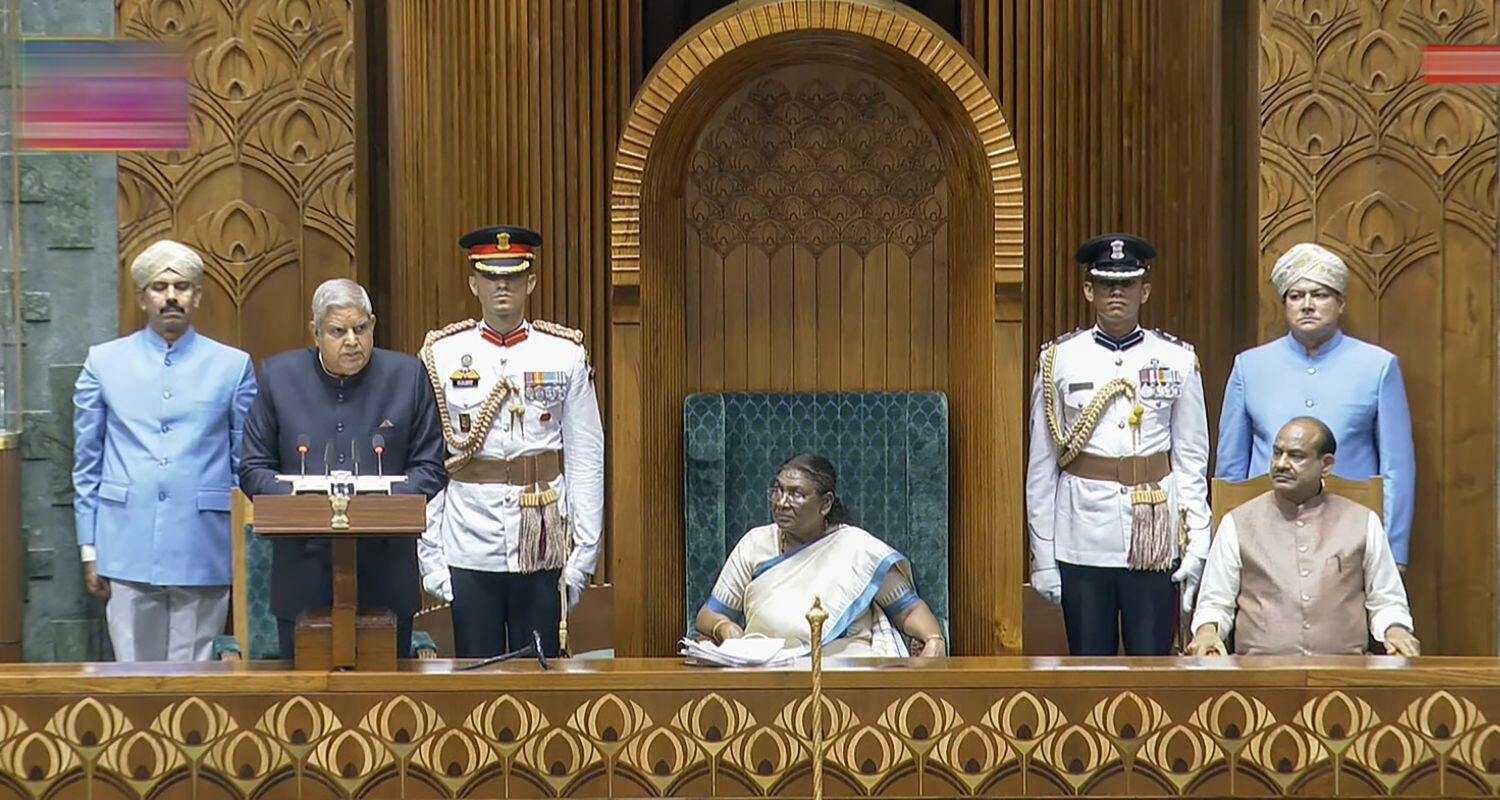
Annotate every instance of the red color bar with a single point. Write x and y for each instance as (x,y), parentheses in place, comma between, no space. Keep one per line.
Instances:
(1475,65)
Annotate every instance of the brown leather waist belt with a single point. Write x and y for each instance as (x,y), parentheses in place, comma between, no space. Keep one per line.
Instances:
(523,471)
(1129,471)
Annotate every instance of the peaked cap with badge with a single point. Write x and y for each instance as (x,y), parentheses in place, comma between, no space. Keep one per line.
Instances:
(501,249)
(1116,257)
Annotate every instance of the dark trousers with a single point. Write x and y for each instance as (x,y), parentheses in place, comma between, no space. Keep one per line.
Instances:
(286,632)
(495,612)
(1101,603)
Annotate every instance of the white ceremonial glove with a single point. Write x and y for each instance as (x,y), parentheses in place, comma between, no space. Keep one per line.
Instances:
(438,585)
(576,582)
(1048,584)
(1189,574)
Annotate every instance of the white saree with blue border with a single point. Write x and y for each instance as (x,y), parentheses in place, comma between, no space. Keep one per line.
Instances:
(770,592)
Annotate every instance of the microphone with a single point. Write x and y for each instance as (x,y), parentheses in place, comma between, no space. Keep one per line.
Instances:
(353,458)
(377,442)
(531,650)
(327,458)
(303,443)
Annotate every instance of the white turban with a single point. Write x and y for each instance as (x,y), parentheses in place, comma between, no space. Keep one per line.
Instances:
(1310,261)
(162,256)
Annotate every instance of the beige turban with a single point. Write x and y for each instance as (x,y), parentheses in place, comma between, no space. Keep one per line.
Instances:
(1312,262)
(162,256)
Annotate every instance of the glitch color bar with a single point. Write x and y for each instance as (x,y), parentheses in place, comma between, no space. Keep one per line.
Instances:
(103,95)
(1477,65)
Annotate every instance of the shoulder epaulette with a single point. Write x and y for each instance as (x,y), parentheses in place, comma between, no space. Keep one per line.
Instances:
(448,330)
(1173,339)
(561,331)
(1063,338)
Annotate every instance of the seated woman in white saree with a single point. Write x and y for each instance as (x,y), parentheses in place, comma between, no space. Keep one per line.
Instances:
(810,550)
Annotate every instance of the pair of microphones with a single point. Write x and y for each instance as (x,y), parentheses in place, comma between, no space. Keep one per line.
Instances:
(377,443)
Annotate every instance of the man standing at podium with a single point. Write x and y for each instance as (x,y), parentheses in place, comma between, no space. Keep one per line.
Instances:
(519,523)
(1116,476)
(336,397)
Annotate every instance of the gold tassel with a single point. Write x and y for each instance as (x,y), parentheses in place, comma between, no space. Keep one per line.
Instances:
(538,499)
(544,536)
(1150,529)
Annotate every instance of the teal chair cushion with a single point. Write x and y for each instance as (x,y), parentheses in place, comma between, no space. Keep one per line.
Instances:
(890,450)
(264,643)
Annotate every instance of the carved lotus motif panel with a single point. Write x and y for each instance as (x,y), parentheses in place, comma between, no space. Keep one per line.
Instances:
(660,742)
(816,207)
(1343,102)
(268,182)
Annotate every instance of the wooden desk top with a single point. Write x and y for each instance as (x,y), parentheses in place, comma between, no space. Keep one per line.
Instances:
(852,674)
(1016,727)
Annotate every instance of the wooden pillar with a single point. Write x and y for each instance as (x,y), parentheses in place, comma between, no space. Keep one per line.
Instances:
(12,549)
(345,601)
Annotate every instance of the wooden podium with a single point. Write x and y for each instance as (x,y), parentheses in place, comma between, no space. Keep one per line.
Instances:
(342,638)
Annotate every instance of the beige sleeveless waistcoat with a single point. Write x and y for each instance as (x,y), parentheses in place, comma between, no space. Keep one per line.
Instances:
(1302,577)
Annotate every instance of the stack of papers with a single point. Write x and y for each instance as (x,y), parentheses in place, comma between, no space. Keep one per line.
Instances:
(746,651)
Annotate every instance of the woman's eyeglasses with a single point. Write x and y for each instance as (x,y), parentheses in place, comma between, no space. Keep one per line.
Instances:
(795,497)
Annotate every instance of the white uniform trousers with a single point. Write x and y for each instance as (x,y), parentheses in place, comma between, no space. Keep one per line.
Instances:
(164,623)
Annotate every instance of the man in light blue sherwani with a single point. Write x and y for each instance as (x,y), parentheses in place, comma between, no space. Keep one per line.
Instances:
(158,417)
(1316,370)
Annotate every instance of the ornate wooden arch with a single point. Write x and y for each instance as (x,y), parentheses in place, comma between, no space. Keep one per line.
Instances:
(985,250)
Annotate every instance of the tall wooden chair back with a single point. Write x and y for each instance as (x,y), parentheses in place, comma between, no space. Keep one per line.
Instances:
(1229,495)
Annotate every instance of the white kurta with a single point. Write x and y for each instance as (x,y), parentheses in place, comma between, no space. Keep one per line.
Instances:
(477,525)
(1087,522)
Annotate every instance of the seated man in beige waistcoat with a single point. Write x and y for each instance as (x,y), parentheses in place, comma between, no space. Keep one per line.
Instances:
(1300,571)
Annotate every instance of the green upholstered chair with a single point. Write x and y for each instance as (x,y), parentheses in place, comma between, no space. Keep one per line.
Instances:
(890,450)
(250,598)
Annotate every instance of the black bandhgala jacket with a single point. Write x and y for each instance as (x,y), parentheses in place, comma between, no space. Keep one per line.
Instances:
(392,397)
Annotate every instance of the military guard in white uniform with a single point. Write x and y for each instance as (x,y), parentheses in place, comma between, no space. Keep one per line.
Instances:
(517,529)
(1116,491)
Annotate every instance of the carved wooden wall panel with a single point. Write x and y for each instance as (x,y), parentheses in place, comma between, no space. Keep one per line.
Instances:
(1138,116)
(816,206)
(266,191)
(1398,177)
(504,111)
